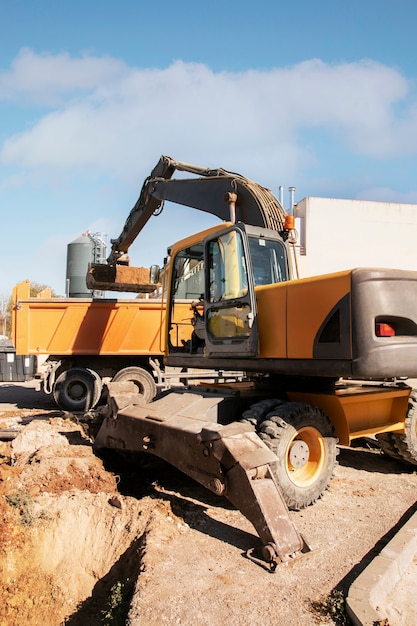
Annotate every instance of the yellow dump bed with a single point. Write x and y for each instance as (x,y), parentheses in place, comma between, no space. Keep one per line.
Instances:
(71,326)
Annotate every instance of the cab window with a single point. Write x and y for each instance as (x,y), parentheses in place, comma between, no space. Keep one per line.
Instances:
(228,278)
(187,287)
(269,263)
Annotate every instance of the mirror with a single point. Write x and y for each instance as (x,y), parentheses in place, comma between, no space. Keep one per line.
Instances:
(154,274)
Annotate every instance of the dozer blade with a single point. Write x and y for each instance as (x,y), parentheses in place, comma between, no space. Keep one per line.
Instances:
(229,460)
(101,276)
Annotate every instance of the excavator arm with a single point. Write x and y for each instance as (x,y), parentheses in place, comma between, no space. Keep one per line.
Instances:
(227,195)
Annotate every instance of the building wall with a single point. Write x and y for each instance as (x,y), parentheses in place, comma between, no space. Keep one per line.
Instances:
(336,234)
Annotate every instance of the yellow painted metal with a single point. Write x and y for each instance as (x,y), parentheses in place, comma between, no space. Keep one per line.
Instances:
(303,322)
(360,410)
(271,302)
(67,326)
(287,327)
(312,468)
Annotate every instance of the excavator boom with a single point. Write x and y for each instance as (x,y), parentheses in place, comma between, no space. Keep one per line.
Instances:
(227,195)
(255,205)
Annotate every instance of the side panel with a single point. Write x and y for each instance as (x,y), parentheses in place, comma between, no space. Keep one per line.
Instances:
(357,411)
(271,301)
(311,302)
(72,326)
(85,327)
(295,318)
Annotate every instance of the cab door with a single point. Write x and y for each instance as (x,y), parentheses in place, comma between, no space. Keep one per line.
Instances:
(230,308)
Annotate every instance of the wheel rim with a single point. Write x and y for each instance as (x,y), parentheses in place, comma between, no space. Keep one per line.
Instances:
(305,456)
(77,391)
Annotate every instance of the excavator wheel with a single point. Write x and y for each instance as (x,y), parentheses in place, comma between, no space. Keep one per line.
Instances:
(302,437)
(142,379)
(403,446)
(258,411)
(77,389)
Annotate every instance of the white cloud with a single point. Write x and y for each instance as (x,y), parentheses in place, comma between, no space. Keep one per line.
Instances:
(46,79)
(123,118)
(102,125)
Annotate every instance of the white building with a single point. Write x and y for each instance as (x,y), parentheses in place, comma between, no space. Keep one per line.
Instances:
(335,234)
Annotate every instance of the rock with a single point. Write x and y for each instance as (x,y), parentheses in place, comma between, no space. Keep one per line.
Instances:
(34,436)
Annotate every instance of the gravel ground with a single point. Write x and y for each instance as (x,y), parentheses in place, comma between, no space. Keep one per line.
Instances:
(191,563)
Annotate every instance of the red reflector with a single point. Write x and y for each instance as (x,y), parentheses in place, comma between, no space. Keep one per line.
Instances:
(384,330)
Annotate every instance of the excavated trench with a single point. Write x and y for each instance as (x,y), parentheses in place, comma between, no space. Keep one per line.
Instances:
(84,541)
(71,545)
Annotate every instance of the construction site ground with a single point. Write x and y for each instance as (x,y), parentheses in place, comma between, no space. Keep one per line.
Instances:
(84,541)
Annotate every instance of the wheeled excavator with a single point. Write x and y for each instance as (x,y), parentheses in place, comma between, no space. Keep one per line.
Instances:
(325,357)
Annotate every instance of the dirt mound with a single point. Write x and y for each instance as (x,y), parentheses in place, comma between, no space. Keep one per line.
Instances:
(57,457)
(64,526)
(81,543)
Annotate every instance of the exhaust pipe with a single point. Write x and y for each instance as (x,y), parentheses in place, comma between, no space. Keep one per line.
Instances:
(292,194)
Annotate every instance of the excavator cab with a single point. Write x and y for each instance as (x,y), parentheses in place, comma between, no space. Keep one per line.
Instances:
(217,272)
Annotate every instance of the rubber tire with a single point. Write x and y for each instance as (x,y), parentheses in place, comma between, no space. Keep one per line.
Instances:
(258,411)
(76,389)
(403,446)
(98,387)
(142,378)
(295,421)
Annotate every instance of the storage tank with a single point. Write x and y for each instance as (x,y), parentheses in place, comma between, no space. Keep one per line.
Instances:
(89,248)
(79,255)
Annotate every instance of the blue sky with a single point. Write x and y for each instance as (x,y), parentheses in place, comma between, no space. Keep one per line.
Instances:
(320,95)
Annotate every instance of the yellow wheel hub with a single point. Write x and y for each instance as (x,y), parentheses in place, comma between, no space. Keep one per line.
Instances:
(306,456)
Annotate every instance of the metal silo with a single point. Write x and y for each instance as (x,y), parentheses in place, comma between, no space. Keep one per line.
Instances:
(79,255)
(89,248)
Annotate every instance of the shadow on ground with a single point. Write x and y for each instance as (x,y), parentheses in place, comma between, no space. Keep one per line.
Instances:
(24,396)
(365,454)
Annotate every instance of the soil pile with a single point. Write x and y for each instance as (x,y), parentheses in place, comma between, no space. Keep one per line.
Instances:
(64,526)
(82,542)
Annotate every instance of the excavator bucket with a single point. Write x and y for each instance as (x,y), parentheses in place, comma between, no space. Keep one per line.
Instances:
(101,276)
